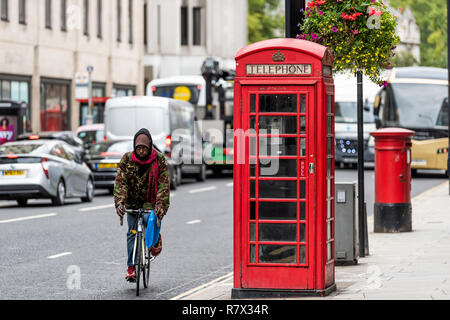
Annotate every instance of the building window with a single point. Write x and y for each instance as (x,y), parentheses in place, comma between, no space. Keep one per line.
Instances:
(4,10)
(119,19)
(184,26)
(55,105)
(197,27)
(22,12)
(63,15)
(130,21)
(86,18)
(48,14)
(16,89)
(123,90)
(99,19)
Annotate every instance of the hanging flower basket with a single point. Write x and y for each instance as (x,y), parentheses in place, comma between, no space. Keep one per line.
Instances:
(360,33)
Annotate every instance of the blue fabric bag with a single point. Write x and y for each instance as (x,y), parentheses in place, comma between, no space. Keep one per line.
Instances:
(153,228)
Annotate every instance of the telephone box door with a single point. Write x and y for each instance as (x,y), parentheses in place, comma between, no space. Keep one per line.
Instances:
(278,197)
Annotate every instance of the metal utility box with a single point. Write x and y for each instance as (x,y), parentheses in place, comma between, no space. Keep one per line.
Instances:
(346,227)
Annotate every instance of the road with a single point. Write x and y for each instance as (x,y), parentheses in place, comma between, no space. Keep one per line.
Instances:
(78,251)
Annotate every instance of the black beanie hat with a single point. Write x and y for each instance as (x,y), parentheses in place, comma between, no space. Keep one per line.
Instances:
(147,133)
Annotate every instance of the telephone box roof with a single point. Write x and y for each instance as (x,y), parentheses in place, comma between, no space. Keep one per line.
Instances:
(304,46)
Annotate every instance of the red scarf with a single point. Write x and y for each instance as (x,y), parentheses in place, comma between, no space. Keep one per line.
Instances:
(152,175)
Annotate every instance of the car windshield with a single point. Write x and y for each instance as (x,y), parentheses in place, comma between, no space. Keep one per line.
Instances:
(22,148)
(91,136)
(346,112)
(111,148)
(418,105)
(184,92)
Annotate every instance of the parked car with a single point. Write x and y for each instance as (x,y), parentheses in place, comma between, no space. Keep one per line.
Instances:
(33,169)
(172,126)
(91,133)
(104,157)
(66,136)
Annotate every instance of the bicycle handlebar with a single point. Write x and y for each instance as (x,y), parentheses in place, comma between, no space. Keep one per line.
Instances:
(158,221)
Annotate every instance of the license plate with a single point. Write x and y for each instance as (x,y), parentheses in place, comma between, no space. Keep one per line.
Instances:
(107,165)
(8,173)
(419,162)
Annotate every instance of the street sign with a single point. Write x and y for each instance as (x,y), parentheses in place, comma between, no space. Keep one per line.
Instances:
(81,85)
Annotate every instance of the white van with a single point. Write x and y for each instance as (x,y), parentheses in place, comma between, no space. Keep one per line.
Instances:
(346,124)
(171,124)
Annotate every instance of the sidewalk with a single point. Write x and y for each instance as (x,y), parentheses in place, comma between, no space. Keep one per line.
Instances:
(401,266)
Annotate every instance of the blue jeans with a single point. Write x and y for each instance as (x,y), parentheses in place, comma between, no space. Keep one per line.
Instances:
(132,225)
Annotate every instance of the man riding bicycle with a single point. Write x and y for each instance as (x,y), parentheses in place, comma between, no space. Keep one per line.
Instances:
(142,181)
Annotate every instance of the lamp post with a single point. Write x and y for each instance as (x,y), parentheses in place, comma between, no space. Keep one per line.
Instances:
(89,119)
(293,16)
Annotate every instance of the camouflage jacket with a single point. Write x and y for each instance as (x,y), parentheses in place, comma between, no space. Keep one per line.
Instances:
(130,188)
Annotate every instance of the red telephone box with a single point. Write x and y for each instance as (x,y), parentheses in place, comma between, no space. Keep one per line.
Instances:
(283,170)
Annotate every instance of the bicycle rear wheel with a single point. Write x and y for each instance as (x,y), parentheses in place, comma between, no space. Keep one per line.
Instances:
(137,260)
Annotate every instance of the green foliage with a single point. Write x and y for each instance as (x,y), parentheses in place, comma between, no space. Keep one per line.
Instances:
(404,59)
(431,17)
(360,33)
(263,21)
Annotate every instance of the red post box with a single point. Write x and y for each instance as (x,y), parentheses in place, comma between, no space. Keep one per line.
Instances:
(283,170)
(392,208)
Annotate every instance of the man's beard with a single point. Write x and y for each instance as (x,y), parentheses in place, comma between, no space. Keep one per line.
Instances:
(142,158)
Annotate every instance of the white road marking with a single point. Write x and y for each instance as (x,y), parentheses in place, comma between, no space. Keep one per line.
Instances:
(29,218)
(59,255)
(203,189)
(111,205)
(203,287)
(230,184)
(193,221)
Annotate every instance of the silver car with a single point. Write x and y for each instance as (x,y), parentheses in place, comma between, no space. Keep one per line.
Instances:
(37,169)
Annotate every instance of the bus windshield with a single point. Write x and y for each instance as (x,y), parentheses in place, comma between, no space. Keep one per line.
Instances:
(346,112)
(415,105)
(184,92)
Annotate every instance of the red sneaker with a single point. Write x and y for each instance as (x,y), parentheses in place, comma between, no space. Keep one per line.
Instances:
(131,274)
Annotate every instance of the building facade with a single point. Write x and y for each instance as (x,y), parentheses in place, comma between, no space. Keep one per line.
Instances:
(180,34)
(45,43)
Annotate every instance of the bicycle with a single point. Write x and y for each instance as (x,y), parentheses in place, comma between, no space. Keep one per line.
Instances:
(141,253)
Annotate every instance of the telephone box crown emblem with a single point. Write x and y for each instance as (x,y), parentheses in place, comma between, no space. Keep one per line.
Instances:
(278,56)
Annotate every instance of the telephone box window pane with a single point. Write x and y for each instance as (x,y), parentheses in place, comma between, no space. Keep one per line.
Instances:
(253,103)
(252,210)
(278,167)
(328,209)
(303,103)
(252,189)
(329,167)
(302,254)
(253,123)
(252,146)
(302,211)
(277,254)
(330,125)
(278,189)
(302,147)
(302,125)
(302,232)
(330,98)
(329,256)
(330,145)
(252,170)
(328,188)
(302,189)
(278,103)
(277,210)
(277,232)
(277,146)
(252,253)
(329,230)
(277,125)
(252,232)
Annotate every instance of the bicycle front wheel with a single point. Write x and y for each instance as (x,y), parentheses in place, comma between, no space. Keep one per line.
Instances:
(138,262)
(146,267)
